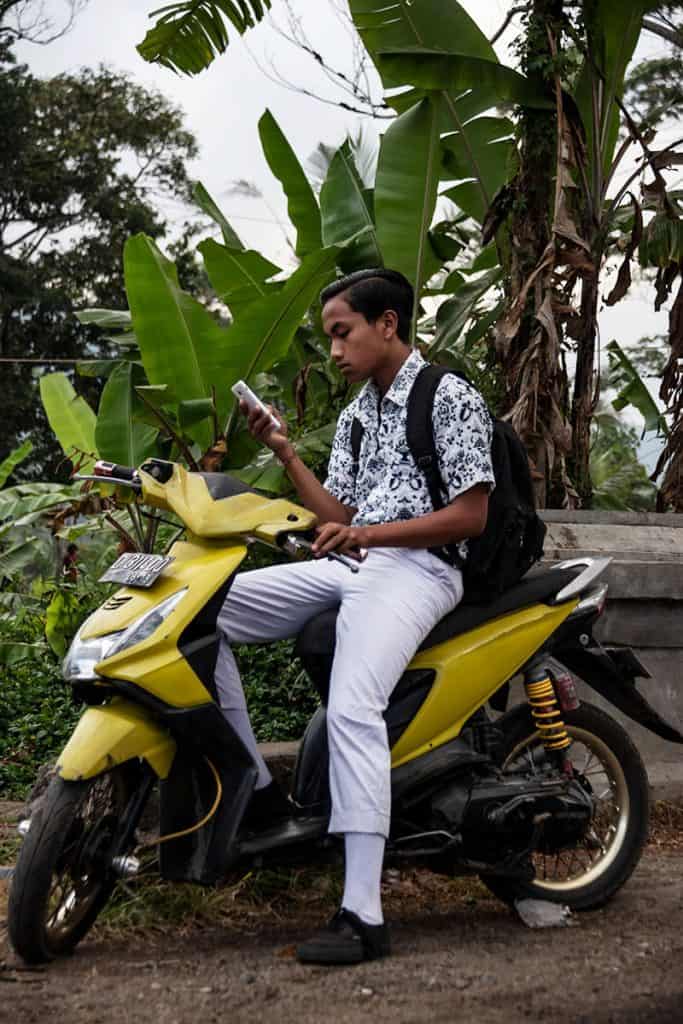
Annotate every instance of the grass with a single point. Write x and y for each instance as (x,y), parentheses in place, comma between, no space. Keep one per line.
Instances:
(10,841)
(666,825)
(269,897)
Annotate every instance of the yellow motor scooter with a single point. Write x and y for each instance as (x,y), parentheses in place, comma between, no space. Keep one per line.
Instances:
(549,799)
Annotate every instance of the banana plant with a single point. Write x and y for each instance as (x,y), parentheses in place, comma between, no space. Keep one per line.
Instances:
(71,418)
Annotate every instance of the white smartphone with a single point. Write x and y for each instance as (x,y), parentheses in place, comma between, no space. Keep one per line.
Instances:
(243,393)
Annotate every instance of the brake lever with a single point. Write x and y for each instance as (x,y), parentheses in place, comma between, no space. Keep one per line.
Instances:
(135,485)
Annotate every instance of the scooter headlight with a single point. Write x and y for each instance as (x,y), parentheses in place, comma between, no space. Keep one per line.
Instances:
(83,655)
(143,627)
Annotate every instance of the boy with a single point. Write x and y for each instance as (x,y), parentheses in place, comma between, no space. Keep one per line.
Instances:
(403,588)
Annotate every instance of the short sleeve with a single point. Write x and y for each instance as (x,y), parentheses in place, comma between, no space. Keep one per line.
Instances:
(341,482)
(463,432)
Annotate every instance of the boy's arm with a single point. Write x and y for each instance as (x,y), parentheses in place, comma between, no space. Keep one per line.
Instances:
(464,517)
(311,492)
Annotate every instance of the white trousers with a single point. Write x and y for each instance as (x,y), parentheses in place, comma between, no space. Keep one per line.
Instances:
(386,611)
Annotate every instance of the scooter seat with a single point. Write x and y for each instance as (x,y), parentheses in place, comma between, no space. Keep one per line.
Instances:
(318,635)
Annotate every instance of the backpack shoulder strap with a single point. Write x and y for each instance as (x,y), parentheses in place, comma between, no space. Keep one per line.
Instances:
(420,429)
(357,431)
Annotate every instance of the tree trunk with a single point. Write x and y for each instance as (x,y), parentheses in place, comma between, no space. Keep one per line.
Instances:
(584,399)
(528,339)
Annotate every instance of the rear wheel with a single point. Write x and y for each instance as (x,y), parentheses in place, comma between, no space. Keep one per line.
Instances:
(608,765)
(63,876)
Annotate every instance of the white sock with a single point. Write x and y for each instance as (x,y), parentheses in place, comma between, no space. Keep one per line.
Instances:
(364,856)
(239,720)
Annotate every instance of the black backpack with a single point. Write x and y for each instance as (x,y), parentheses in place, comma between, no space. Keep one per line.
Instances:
(513,536)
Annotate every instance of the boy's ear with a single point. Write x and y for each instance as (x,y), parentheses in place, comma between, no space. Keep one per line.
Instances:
(390,320)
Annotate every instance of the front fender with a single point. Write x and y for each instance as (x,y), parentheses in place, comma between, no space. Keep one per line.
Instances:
(612,675)
(109,735)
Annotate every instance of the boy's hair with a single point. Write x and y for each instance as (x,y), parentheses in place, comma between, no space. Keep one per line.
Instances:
(372,292)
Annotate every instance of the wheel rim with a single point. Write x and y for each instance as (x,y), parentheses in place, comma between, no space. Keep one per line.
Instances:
(598,767)
(82,871)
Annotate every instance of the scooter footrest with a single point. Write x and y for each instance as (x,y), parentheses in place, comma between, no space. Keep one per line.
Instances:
(287,833)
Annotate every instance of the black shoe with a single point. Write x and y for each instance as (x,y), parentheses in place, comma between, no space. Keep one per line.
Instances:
(346,940)
(268,807)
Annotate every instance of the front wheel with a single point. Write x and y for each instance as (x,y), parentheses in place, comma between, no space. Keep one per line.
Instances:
(606,762)
(63,876)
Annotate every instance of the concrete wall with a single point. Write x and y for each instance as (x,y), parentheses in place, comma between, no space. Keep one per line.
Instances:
(644,611)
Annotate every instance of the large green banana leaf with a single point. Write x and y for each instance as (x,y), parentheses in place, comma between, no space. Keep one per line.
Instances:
(454,74)
(302,205)
(430,24)
(119,436)
(8,465)
(453,315)
(27,499)
(181,344)
(439,44)
(189,34)
(209,206)
(345,211)
(118,320)
(264,330)
(632,390)
(482,152)
(437,48)
(405,191)
(71,419)
(613,30)
(238,276)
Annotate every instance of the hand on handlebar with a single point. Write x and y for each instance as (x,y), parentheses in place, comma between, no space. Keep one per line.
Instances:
(342,538)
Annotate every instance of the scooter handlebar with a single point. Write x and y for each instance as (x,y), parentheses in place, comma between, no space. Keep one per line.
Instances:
(113,469)
(113,474)
(299,547)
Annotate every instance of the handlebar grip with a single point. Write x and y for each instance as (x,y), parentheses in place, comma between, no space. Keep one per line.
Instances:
(112,469)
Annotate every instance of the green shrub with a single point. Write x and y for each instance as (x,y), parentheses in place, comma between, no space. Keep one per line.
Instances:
(279,695)
(37,713)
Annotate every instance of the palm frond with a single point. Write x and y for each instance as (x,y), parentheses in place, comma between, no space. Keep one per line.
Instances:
(188,35)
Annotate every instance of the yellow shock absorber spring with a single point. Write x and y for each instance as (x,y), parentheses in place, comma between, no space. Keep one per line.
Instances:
(547,715)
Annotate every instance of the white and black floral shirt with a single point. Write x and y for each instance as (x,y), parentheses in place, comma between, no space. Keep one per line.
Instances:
(389,486)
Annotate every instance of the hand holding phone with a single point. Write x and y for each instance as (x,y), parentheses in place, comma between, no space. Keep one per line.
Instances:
(243,393)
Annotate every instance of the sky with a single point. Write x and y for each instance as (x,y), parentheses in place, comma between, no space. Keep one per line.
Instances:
(223,104)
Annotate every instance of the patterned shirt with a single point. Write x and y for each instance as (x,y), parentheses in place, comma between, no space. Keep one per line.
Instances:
(389,486)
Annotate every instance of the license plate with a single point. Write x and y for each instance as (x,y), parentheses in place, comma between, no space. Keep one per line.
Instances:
(133,570)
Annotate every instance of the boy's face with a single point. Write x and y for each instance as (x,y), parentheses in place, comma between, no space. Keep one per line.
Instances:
(357,347)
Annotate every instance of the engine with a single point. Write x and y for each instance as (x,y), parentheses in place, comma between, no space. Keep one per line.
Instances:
(499,814)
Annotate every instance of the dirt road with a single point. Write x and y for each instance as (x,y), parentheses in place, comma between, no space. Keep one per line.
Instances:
(459,959)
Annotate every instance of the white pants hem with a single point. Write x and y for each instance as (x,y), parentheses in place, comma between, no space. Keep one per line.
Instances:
(370,822)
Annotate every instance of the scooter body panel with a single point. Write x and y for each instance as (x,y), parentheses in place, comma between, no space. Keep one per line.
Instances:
(110,735)
(469,669)
(156,664)
(187,495)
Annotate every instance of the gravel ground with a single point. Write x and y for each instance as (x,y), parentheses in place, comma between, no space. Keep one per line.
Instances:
(456,958)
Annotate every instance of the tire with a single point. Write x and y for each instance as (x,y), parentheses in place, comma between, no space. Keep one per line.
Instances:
(64,857)
(626,811)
